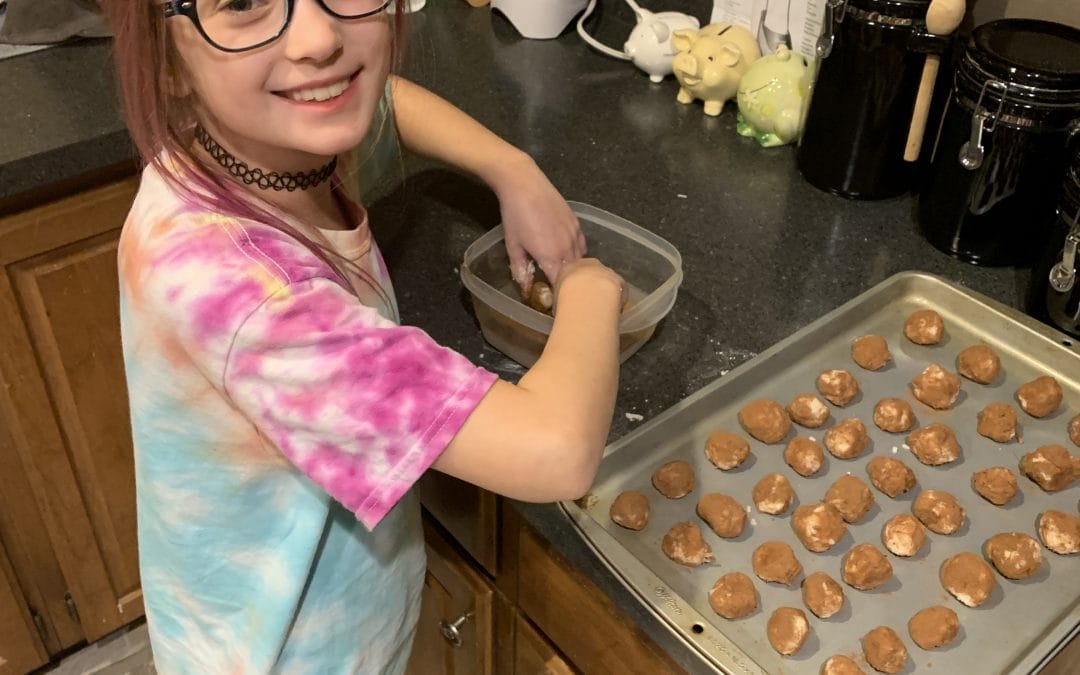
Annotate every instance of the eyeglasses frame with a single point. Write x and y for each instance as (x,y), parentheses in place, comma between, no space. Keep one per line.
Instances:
(188,8)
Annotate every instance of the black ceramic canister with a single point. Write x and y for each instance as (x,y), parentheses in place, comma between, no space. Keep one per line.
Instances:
(871,56)
(1055,280)
(1003,146)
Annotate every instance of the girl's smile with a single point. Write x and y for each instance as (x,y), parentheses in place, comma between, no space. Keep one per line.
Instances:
(326,95)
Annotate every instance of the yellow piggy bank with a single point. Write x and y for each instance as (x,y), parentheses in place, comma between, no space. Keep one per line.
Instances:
(711,61)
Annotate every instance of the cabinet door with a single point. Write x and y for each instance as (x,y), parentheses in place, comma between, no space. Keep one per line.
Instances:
(454,636)
(20,649)
(469,514)
(66,403)
(534,655)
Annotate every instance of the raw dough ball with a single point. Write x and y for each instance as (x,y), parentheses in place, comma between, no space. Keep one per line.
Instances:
(924,327)
(968,578)
(866,568)
(1015,554)
(823,595)
(765,420)
(808,410)
(978,363)
(903,535)
(733,596)
(818,526)
(684,544)
(674,479)
(894,415)
(996,484)
(934,444)
(997,421)
(804,455)
(847,439)
(890,475)
(1050,466)
(851,497)
(787,630)
(1060,531)
(726,450)
(541,298)
(630,510)
(839,386)
(773,494)
(725,516)
(934,627)
(841,665)
(1040,397)
(884,650)
(936,387)
(938,511)
(775,561)
(1074,430)
(871,352)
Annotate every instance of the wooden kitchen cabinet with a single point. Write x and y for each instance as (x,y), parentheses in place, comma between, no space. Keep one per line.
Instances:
(20,648)
(534,655)
(67,505)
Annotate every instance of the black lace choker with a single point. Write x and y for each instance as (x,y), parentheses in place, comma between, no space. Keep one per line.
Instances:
(259,178)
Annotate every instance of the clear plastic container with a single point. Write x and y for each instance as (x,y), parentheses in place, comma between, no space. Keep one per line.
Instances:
(651,267)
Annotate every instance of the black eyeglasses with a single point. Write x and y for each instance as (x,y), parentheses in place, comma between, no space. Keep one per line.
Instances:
(240,25)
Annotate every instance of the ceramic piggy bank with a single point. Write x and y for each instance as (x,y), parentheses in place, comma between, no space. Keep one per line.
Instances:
(710,63)
(771,96)
(650,46)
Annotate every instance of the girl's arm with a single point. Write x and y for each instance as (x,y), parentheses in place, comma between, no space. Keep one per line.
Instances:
(537,219)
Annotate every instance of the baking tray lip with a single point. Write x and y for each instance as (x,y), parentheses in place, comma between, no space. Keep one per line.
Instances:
(1040,651)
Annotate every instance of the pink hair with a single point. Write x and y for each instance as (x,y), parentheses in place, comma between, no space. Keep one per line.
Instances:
(161,124)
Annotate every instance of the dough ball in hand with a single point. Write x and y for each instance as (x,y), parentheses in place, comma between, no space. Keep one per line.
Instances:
(850,496)
(968,578)
(934,627)
(684,544)
(765,420)
(674,480)
(1014,554)
(726,450)
(884,650)
(838,664)
(1050,466)
(773,494)
(808,410)
(630,510)
(733,596)
(775,561)
(822,595)
(894,415)
(787,630)
(903,535)
(924,327)
(997,421)
(939,511)
(725,516)
(818,526)
(866,568)
(1060,531)
(1040,397)
(804,456)
(996,484)
(978,363)
(871,352)
(838,386)
(847,439)
(1074,430)
(934,444)
(890,475)
(936,387)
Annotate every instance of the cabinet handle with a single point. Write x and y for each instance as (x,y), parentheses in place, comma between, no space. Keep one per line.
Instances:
(450,629)
(72,610)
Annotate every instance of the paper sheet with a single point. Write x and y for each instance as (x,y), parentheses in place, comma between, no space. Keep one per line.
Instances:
(796,22)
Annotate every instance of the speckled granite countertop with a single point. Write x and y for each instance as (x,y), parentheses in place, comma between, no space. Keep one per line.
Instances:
(764,253)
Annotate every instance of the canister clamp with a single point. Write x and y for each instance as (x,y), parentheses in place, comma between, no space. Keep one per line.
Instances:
(1063,274)
(972,152)
(835,10)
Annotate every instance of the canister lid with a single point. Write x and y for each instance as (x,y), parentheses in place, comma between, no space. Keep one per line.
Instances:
(907,9)
(1029,52)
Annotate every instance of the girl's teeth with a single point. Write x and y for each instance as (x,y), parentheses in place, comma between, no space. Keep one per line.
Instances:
(320,93)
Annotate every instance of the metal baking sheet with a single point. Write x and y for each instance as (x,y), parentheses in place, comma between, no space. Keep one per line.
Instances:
(1017,630)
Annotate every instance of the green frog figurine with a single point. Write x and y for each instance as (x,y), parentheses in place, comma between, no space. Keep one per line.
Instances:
(771,96)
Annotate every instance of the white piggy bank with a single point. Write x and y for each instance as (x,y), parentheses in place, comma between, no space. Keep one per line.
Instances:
(650,47)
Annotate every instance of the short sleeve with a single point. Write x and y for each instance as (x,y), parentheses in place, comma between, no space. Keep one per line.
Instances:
(359,404)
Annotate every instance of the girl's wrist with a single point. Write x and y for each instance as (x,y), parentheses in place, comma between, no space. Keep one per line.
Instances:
(503,172)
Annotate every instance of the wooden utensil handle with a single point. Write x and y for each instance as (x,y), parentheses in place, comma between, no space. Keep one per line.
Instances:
(922,108)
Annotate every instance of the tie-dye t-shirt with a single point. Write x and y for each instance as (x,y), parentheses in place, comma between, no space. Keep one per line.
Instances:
(280,418)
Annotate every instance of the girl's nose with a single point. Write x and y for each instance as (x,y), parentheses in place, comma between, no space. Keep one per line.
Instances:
(313,34)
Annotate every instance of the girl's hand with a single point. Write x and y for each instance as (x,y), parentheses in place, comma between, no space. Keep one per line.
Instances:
(593,275)
(538,222)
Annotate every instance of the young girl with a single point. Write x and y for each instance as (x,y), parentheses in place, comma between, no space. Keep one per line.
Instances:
(280,413)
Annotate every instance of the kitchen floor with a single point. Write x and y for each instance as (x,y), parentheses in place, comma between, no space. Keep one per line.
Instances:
(123,653)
